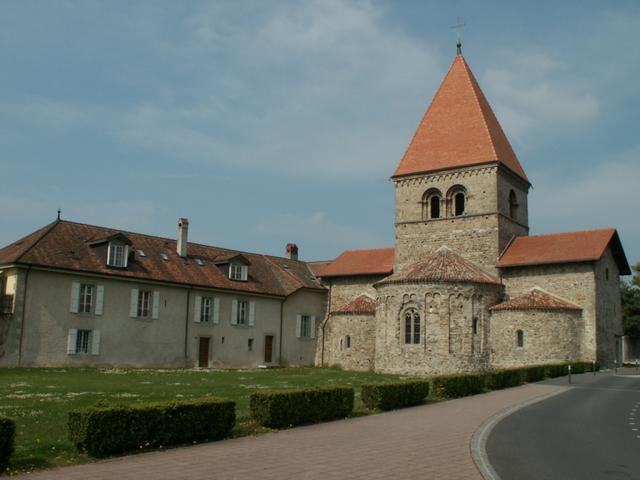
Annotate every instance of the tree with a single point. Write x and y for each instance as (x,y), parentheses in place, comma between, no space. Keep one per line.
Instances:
(630,293)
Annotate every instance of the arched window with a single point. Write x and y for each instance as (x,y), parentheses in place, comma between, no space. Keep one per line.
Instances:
(520,338)
(411,327)
(347,341)
(458,204)
(513,204)
(431,201)
(457,201)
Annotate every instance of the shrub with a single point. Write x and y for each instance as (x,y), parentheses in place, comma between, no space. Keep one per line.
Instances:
(499,379)
(104,430)
(454,386)
(555,370)
(277,409)
(534,373)
(387,396)
(7,437)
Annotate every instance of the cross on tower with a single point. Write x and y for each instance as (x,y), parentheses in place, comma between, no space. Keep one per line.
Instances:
(459,26)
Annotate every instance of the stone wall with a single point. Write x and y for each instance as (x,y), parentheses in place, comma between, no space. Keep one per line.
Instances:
(480,235)
(342,290)
(608,310)
(549,337)
(358,352)
(574,282)
(448,343)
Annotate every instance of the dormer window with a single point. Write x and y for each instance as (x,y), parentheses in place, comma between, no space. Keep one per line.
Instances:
(238,272)
(117,255)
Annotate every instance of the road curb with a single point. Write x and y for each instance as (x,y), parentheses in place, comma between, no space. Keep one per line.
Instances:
(479,440)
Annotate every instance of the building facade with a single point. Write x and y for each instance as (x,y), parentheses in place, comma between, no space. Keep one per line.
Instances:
(464,288)
(79,295)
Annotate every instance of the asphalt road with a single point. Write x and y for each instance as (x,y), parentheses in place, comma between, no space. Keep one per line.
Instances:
(589,432)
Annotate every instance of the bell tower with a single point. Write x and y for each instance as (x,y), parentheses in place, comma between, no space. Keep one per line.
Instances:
(459,182)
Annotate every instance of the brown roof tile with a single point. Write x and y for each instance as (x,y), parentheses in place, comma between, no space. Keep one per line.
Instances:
(442,266)
(459,129)
(363,304)
(536,299)
(360,262)
(68,245)
(567,247)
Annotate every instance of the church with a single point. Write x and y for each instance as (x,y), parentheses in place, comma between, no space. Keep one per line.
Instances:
(465,288)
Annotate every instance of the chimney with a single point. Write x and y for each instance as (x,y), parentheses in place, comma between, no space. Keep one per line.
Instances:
(183,233)
(292,251)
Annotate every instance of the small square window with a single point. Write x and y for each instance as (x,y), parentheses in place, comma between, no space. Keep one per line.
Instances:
(250,344)
(235,271)
(117,255)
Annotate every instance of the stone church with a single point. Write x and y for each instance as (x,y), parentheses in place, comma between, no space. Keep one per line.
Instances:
(466,287)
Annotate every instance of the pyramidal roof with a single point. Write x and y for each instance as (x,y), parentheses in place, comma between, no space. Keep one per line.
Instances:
(443,265)
(459,129)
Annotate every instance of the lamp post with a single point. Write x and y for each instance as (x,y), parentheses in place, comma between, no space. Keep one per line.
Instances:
(569,370)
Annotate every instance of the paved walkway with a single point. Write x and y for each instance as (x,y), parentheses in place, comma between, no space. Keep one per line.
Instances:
(430,441)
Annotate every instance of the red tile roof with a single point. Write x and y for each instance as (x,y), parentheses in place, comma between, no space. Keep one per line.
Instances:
(459,129)
(536,300)
(360,262)
(317,266)
(363,304)
(68,245)
(567,247)
(442,266)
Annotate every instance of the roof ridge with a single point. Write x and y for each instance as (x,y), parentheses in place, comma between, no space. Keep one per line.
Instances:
(159,237)
(283,270)
(433,98)
(469,77)
(607,229)
(52,225)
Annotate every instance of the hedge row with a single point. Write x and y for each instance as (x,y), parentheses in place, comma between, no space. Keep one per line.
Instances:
(276,409)
(387,396)
(115,429)
(7,437)
(453,386)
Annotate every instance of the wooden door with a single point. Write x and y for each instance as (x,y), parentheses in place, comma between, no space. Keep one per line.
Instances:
(268,348)
(203,352)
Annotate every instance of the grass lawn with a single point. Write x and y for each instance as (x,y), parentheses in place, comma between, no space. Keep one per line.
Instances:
(38,399)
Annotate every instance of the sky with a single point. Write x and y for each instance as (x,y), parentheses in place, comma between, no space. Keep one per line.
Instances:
(268,122)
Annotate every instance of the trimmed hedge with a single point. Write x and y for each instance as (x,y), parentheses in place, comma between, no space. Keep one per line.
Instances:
(454,386)
(499,379)
(387,396)
(105,430)
(7,438)
(284,408)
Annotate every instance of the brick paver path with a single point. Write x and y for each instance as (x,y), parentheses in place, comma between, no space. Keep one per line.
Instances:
(425,442)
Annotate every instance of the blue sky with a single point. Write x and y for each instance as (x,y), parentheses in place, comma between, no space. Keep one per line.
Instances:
(267,122)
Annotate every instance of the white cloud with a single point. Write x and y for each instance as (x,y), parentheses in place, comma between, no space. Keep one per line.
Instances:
(534,92)
(288,88)
(604,196)
(316,231)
